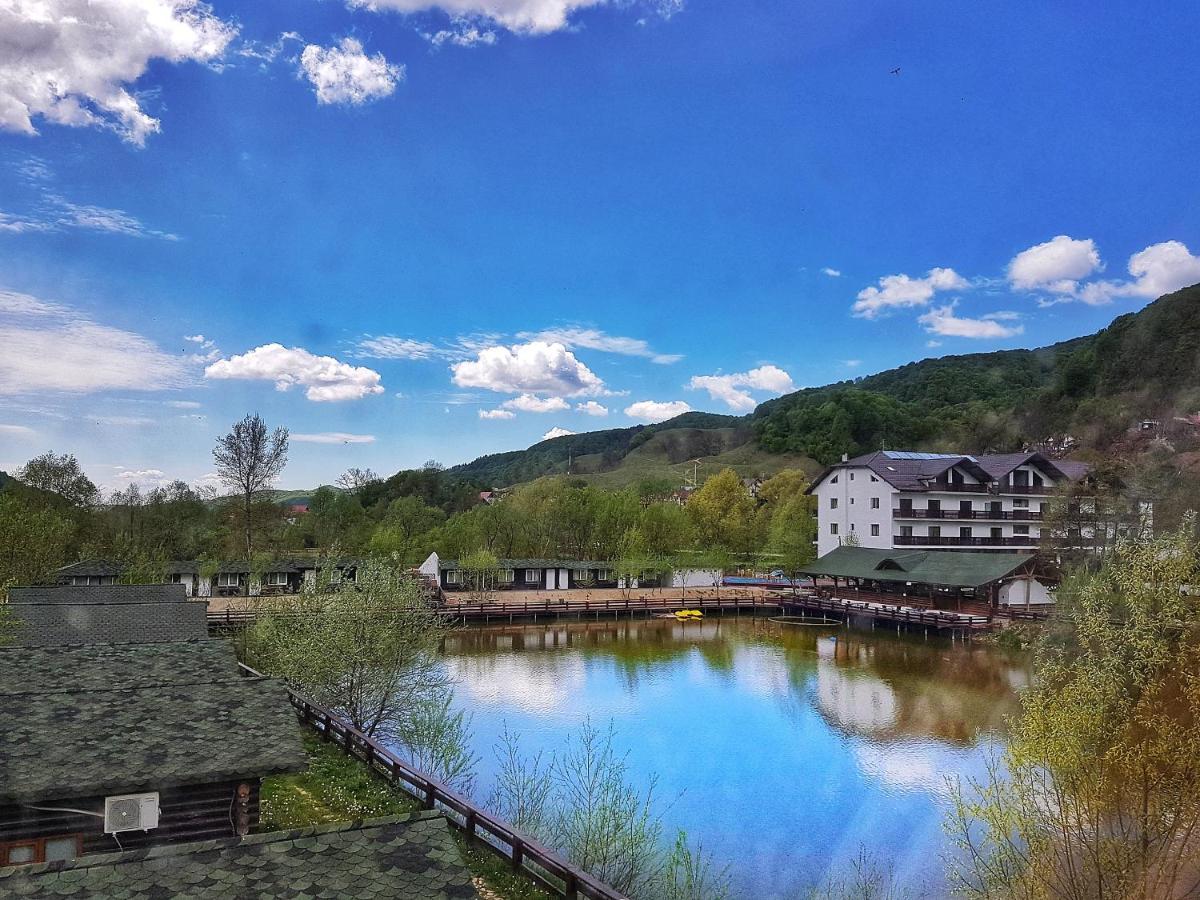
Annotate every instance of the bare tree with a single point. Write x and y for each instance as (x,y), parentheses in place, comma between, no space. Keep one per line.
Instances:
(355,479)
(248,459)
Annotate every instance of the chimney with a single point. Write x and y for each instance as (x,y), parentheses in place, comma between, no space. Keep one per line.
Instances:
(845,457)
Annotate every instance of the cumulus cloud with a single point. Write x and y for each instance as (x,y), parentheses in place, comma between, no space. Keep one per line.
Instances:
(206,350)
(17,430)
(388,346)
(901,291)
(730,389)
(345,74)
(323,377)
(943,321)
(332,437)
(461,33)
(592,408)
(1056,266)
(657,410)
(534,404)
(72,62)
(1159,269)
(521,16)
(140,474)
(595,339)
(536,367)
(555,433)
(496,414)
(52,347)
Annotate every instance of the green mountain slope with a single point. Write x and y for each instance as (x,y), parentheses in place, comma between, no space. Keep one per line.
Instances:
(1144,365)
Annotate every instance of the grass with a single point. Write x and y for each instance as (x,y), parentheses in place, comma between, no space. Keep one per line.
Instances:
(338,788)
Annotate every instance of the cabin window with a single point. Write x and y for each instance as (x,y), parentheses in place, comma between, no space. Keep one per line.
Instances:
(833,502)
(228,579)
(874,531)
(453,576)
(48,849)
(506,576)
(603,575)
(874,503)
(531,576)
(277,579)
(833,528)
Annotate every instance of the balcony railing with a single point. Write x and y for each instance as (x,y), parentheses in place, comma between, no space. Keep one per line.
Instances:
(924,540)
(1005,515)
(1002,489)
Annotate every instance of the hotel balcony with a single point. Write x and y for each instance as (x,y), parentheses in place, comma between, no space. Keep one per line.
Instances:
(924,540)
(1003,490)
(1004,515)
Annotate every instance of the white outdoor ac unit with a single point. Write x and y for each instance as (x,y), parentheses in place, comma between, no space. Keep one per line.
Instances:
(130,812)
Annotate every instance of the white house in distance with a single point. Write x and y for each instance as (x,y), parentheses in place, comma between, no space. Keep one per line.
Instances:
(895,499)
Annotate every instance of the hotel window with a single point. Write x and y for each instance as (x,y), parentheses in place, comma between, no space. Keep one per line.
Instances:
(965,531)
(935,531)
(1020,504)
(833,528)
(833,502)
(453,576)
(874,503)
(851,476)
(851,501)
(531,575)
(833,480)
(1020,529)
(906,531)
(874,531)
(873,478)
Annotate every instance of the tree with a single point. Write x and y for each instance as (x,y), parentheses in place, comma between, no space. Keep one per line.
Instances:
(1098,794)
(355,479)
(248,459)
(480,571)
(368,650)
(407,520)
(723,513)
(33,541)
(792,534)
(61,475)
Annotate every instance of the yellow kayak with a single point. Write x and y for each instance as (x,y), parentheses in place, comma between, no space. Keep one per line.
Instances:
(685,614)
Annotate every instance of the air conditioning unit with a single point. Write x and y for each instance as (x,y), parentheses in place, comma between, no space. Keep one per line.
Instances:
(130,812)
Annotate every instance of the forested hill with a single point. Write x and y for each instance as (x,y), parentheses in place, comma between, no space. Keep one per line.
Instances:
(1144,365)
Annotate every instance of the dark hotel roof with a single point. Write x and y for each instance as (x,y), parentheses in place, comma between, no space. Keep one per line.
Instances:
(908,470)
(410,857)
(107,719)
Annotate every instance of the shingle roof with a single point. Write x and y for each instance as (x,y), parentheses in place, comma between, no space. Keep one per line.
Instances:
(946,568)
(93,667)
(412,857)
(99,593)
(93,742)
(912,471)
(91,567)
(44,624)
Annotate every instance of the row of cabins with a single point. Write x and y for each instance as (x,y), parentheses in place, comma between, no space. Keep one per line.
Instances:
(133,753)
(230,579)
(559,574)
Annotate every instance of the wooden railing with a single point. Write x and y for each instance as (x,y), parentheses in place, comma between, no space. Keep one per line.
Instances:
(527,856)
(638,604)
(928,618)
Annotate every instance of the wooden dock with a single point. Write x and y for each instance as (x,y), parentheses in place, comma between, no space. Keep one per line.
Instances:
(941,620)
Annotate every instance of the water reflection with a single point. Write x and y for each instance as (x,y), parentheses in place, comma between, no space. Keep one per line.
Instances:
(784,749)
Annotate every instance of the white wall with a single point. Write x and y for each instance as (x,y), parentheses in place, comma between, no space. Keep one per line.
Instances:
(1013,593)
(854,490)
(429,568)
(697,578)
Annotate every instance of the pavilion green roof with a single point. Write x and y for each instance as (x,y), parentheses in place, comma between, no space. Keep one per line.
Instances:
(945,568)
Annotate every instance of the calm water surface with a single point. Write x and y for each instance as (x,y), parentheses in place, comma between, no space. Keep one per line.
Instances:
(782,749)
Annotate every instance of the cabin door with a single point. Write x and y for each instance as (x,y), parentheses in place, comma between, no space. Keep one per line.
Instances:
(564,578)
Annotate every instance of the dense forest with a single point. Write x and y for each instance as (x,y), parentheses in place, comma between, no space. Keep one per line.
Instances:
(1143,365)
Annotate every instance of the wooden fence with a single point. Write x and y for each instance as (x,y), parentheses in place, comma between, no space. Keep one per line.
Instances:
(524,854)
(925,618)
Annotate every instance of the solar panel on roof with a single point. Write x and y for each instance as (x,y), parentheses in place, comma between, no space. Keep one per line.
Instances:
(913,454)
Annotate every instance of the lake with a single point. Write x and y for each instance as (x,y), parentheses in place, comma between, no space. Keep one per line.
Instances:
(786,751)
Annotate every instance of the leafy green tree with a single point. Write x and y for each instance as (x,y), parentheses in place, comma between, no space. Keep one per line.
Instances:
(793,533)
(61,475)
(33,541)
(723,513)
(406,523)
(1098,793)
(480,570)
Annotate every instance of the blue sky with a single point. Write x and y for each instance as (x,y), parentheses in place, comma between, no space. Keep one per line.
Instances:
(413,230)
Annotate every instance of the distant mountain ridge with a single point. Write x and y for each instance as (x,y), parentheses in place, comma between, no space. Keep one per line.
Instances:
(1144,364)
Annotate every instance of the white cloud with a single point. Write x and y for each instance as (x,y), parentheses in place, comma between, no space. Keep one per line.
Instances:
(17,430)
(832,273)
(388,346)
(901,291)
(51,347)
(71,62)
(728,388)
(324,378)
(183,404)
(594,339)
(122,421)
(332,437)
(53,212)
(140,474)
(207,350)
(556,433)
(931,343)
(535,367)
(1159,269)
(461,33)
(1056,266)
(851,363)
(496,414)
(521,16)
(943,321)
(344,74)
(592,408)
(657,410)
(530,403)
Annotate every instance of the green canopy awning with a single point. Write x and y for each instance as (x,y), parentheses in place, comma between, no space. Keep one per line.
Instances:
(945,568)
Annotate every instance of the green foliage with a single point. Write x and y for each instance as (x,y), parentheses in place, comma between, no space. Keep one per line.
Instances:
(60,475)
(33,541)
(723,513)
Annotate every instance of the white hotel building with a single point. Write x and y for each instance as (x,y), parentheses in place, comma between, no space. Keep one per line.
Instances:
(895,499)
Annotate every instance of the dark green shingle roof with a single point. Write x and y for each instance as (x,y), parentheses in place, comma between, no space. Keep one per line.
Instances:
(411,857)
(100,593)
(44,624)
(96,667)
(85,743)
(947,568)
